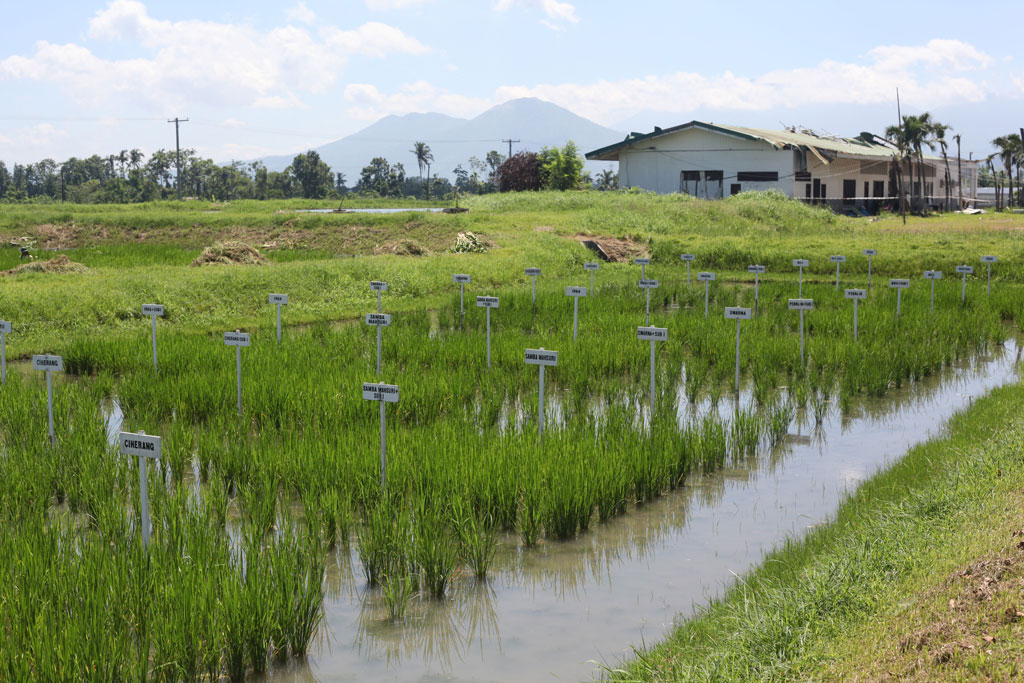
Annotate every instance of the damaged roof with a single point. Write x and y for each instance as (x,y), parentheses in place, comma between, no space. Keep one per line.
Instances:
(866,145)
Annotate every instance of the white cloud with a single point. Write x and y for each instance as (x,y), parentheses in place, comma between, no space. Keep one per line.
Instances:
(382,5)
(558,11)
(204,62)
(928,76)
(301,13)
(369,104)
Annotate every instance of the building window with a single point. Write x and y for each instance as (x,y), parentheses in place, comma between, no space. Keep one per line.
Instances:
(735,188)
(878,189)
(688,182)
(802,176)
(849,191)
(757,176)
(807,192)
(710,178)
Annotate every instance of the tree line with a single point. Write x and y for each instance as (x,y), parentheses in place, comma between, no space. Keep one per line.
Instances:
(130,176)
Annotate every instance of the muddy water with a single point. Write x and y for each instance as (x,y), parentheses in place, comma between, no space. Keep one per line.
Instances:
(559,610)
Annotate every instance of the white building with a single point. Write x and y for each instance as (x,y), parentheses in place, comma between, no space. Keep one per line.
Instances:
(712,161)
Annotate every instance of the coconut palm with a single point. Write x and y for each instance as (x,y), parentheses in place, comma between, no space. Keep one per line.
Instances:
(939,138)
(1010,151)
(423,158)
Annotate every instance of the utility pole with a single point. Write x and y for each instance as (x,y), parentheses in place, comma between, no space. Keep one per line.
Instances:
(177,152)
(959,175)
(510,141)
(899,116)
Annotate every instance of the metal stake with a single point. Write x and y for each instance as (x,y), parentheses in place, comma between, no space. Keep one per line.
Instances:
(378,349)
(855,301)
(278,324)
(383,449)
(647,319)
(238,374)
(575,317)
(801,337)
(653,395)
(540,405)
(837,276)
(154,342)
(737,357)
(488,338)
(933,297)
(462,310)
(707,285)
(3,358)
(899,290)
(49,405)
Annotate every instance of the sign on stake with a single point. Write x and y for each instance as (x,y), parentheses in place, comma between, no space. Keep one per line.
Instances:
(989,260)
(238,340)
(801,263)
(383,394)
(49,364)
(856,295)
(933,275)
(737,314)
(965,271)
(899,285)
(870,253)
(648,285)
(575,293)
(837,260)
(757,271)
(643,263)
(461,280)
(591,267)
(144,447)
(378,286)
(379,320)
(280,300)
(542,358)
(534,273)
(652,334)
(801,305)
(153,311)
(488,302)
(706,278)
(5,329)
(688,259)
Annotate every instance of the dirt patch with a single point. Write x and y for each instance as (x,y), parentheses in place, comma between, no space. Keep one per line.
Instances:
(52,236)
(230,254)
(402,247)
(60,264)
(618,249)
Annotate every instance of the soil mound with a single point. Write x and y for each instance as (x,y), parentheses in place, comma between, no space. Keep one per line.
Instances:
(60,264)
(230,254)
(614,249)
(402,247)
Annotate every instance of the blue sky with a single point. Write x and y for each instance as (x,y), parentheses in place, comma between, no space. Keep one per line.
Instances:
(259,78)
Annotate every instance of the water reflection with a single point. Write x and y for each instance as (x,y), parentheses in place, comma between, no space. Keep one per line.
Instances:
(556,608)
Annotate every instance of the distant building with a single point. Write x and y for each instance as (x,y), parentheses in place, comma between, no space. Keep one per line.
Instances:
(712,161)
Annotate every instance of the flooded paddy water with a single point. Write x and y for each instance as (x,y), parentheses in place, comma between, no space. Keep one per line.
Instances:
(560,610)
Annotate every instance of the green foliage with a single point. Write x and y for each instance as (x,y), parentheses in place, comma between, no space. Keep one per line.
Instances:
(561,168)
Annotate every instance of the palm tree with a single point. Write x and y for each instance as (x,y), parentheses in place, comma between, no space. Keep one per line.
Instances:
(899,138)
(939,137)
(1010,150)
(423,159)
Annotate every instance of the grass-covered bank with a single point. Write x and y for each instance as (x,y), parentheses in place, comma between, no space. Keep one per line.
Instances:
(918,576)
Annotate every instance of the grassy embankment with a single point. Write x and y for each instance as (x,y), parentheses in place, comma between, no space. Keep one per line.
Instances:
(140,254)
(918,577)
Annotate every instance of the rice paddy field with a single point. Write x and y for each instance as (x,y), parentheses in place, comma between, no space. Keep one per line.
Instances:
(272,530)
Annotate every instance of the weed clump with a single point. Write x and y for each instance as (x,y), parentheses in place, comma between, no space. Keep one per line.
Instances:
(60,264)
(468,243)
(230,254)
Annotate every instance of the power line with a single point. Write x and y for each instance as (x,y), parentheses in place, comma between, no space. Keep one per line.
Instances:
(510,141)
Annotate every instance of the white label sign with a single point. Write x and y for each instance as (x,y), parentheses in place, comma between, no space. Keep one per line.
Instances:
(139,444)
(965,269)
(801,304)
(236,338)
(152,309)
(380,392)
(279,298)
(533,271)
(899,283)
(642,261)
(378,319)
(378,286)
(989,259)
(648,284)
(487,301)
(837,259)
(5,326)
(736,313)
(705,277)
(47,362)
(652,333)
(541,357)
(801,263)
(575,291)
(591,266)
(688,257)
(933,275)
(460,278)
(856,294)
(756,269)
(870,252)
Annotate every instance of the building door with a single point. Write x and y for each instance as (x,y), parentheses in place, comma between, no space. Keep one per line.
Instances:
(849,191)
(735,188)
(817,190)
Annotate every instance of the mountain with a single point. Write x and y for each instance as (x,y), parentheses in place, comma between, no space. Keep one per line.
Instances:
(452,140)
